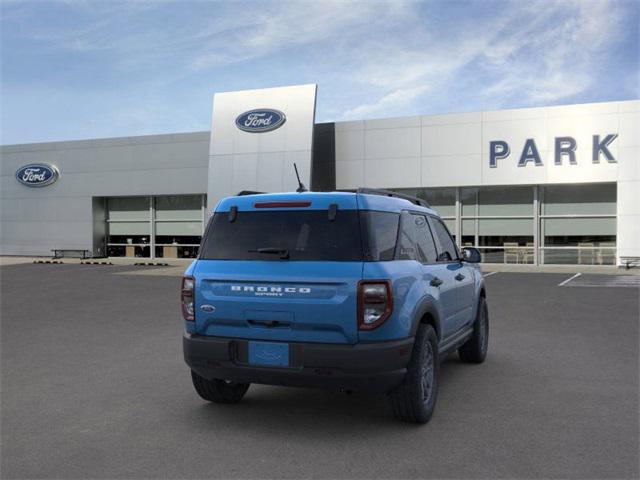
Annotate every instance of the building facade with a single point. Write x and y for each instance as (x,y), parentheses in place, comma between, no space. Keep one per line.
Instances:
(553,185)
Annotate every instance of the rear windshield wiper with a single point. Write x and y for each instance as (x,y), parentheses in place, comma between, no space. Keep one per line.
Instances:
(283,252)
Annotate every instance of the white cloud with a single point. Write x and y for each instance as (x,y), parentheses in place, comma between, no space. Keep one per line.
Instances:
(253,33)
(552,57)
(398,98)
(538,52)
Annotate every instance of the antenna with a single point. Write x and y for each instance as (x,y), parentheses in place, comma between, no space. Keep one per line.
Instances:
(301,187)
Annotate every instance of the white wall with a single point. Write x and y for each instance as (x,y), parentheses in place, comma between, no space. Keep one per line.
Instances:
(629,180)
(240,160)
(35,220)
(453,150)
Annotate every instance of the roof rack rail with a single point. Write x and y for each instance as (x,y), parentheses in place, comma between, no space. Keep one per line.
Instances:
(248,192)
(388,193)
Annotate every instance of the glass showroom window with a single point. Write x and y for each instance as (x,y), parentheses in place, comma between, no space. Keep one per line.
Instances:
(167,226)
(578,224)
(442,200)
(129,227)
(178,225)
(500,222)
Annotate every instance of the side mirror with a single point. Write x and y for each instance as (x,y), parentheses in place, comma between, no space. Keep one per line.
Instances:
(471,255)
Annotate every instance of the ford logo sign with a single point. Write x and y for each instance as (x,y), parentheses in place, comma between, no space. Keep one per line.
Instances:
(260,120)
(37,175)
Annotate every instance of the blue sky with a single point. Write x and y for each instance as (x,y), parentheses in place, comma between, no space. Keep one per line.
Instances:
(84,69)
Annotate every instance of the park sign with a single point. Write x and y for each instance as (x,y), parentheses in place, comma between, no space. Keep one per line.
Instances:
(564,147)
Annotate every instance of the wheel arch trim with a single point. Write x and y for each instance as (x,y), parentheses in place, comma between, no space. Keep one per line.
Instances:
(428,311)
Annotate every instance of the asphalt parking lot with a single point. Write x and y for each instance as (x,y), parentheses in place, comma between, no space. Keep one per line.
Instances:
(94,386)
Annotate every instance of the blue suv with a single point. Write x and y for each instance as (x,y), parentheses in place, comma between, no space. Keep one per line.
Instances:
(362,291)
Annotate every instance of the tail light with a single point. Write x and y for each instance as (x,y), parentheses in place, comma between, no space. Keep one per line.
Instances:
(375,303)
(186,297)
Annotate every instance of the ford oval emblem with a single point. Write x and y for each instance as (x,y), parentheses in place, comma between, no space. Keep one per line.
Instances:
(37,175)
(260,120)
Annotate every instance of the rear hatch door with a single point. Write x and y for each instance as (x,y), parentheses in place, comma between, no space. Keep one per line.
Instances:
(284,301)
(283,269)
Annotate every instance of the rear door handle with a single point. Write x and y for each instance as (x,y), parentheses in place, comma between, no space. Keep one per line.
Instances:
(459,277)
(436,282)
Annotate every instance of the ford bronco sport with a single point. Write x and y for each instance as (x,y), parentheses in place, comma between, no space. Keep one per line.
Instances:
(350,291)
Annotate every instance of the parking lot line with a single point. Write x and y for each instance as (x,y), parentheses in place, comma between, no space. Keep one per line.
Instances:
(618,281)
(561,284)
(489,274)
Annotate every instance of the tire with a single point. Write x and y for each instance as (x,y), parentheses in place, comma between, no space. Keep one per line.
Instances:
(475,349)
(219,391)
(415,398)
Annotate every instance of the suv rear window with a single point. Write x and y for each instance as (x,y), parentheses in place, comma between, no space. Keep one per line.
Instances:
(303,235)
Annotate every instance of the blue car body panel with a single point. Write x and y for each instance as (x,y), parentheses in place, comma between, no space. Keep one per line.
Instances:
(307,301)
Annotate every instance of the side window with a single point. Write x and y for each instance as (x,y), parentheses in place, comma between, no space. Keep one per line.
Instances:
(446,247)
(406,249)
(426,245)
(415,241)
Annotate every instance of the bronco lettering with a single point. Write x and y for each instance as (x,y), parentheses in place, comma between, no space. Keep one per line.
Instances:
(269,289)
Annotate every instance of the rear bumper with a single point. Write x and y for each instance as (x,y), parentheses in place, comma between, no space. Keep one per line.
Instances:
(374,367)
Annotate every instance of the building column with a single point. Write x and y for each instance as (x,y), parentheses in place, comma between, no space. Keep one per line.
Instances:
(536,226)
(152,236)
(458,220)
(204,212)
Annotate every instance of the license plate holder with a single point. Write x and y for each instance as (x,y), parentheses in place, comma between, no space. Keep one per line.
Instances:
(269,354)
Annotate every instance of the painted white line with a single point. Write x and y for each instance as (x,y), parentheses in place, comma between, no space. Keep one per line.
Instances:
(569,279)
(489,274)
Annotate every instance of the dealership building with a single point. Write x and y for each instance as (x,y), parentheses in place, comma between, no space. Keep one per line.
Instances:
(552,185)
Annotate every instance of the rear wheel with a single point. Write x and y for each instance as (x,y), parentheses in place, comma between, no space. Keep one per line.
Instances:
(415,398)
(475,349)
(219,391)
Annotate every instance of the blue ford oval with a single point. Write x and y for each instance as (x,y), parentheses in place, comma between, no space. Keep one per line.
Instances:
(260,120)
(37,175)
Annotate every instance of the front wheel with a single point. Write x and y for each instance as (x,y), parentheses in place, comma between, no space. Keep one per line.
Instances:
(219,391)
(415,398)
(475,349)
